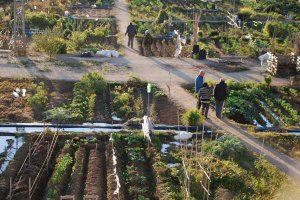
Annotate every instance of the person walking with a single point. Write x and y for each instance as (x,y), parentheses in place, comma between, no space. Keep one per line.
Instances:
(199,81)
(204,97)
(198,84)
(220,93)
(131,32)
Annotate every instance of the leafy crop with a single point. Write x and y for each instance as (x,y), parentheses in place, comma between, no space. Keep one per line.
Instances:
(226,147)
(192,118)
(38,101)
(60,169)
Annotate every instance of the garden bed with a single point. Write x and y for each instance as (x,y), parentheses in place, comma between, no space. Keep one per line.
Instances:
(54,101)
(218,34)
(95,184)
(151,172)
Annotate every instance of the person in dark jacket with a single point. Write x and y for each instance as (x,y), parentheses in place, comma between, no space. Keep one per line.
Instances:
(131,32)
(220,93)
(204,97)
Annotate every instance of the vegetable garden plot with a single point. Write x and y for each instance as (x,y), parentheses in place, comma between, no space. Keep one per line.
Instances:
(40,94)
(261,105)
(249,30)
(72,102)
(35,168)
(89,166)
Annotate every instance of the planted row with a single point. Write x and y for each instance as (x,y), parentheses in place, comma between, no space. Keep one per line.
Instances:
(139,170)
(59,179)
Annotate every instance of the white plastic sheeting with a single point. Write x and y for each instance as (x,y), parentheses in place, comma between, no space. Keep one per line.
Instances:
(264,59)
(183,135)
(15,94)
(108,53)
(115,118)
(147,127)
(164,148)
(115,162)
(117,191)
(173,165)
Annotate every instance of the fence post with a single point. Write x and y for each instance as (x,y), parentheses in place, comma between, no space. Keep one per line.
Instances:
(29,189)
(29,155)
(10,188)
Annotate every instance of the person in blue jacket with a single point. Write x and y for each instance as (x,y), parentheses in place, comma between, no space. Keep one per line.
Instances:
(198,85)
(199,81)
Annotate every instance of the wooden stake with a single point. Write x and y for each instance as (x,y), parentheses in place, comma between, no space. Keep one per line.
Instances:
(10,188)
(29,189)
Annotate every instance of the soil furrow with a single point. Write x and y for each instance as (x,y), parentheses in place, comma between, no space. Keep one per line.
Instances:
(77,176)
(96,175)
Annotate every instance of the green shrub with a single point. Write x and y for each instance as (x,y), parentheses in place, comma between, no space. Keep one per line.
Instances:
(39,100)
(94,82)
(40,20)
(280,29)
(77,40)
(50,43)
(162,17)
(84,94)
(268,80)
(226,147)
(67,33)
(58,115)
(245,14)
(192,118)
(122,104)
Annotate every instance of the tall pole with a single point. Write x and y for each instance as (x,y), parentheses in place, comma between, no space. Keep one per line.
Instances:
(19,37)
(195,28)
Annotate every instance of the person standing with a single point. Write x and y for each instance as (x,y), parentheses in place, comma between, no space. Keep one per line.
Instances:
(204,97)
(198,84)
(220,93)
(199,81)
(131,32)
(147,42)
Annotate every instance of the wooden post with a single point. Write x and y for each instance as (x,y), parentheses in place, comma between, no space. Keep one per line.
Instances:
(10,188)
(48,150)
(202,139)
(29,188)
(29,155)
(195,28)
(197,140)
